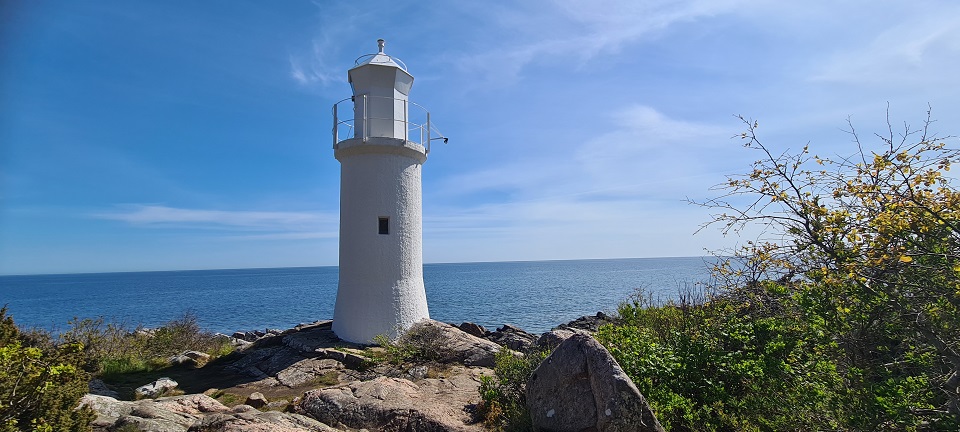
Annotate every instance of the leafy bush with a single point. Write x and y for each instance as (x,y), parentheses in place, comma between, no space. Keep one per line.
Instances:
(724,364)
(41,383)
(867,249)
(502,396)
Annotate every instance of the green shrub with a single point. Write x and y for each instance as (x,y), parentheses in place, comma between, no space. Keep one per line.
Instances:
(726,363)
(115,349)
(41,383)
(502,404)
(421,344)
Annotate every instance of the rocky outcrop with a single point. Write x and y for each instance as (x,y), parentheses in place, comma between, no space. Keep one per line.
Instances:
(193,413)
(190,359)
(458,346)
(553,338)
(474,329)
(513,338)
(581,387)
(396,404)
(156,388)
(98,387)
(590,323)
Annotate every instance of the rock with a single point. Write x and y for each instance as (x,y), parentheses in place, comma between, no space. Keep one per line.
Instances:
(417,373)
(552,338)
(512,337)
(108,409)
(156,388)
(396,404)
(98,387)
(190,359)
(256,400)
(458,346)
(281,359)
(190,404)
(474,329)
(581,387)
(306,371)
(309,339)
(588,322)
(193,413)
(261,422)
(349,359)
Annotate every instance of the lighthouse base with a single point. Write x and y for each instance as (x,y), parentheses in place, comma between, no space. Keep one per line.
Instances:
(363,312)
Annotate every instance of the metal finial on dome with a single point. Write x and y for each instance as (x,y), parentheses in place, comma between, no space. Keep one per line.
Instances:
(380,44)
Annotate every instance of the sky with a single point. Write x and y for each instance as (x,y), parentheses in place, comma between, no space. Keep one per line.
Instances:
(174,135)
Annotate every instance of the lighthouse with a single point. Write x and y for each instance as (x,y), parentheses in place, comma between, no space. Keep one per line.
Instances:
(381,243)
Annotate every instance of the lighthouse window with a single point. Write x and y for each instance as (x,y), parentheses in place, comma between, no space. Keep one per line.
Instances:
(384,225)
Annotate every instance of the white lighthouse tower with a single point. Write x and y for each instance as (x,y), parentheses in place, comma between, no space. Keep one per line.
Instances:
(381,245)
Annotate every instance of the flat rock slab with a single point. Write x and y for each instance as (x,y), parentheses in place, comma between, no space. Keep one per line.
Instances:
(396,404)
(307,340)
(194,412)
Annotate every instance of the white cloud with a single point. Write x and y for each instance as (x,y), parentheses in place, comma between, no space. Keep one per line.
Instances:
(623,194)
(560,31)
(318,66)
(916,50)
(295,224)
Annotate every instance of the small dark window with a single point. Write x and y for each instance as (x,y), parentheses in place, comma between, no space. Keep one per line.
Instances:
(384,225)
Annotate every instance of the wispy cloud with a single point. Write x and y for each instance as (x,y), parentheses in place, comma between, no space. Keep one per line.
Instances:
(609,195)
(279,223)
(318,66)
(914,51)
(560,31)
(644,153)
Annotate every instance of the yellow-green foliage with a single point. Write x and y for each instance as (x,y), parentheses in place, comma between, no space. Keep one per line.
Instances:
(41,383)
(864,253)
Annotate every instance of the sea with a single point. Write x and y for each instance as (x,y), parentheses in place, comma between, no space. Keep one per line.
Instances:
(533,295)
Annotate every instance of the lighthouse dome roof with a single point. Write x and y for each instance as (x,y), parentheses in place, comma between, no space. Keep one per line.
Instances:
(380,59)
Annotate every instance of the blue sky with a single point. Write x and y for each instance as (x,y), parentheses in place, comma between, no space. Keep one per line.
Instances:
(149,135)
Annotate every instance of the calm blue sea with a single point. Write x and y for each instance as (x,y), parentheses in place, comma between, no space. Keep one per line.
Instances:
(533,295)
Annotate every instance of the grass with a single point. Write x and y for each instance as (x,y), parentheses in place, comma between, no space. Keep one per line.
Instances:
(327,379)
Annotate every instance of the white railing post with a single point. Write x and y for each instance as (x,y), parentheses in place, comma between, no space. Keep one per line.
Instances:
(336,124)
(428,131)
(366,121)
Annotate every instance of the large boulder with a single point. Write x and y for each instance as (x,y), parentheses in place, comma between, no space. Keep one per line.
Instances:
(456,345)
(581,387)
(396,404)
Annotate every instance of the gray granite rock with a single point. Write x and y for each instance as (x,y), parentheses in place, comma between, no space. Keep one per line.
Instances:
(429,405)
(580,386)
(458,346)
(156,388)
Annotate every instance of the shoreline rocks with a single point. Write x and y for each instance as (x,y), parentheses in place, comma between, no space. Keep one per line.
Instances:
(322,383)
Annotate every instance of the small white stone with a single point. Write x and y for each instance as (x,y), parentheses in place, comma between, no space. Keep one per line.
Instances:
(608,413)
(551,413)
